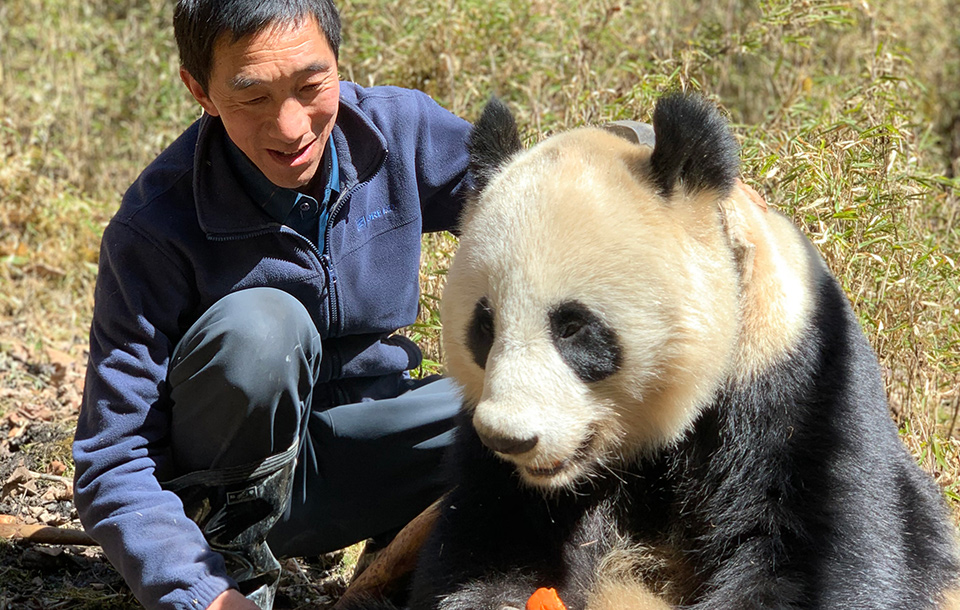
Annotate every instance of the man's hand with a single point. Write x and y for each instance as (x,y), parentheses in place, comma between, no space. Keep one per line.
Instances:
(231,599)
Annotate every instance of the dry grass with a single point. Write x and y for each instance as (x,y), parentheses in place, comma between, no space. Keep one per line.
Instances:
(848,114)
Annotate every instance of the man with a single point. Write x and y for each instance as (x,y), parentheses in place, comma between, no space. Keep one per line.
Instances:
(245,386)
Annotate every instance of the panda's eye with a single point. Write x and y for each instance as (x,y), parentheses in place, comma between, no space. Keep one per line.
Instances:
(485,320)
(588,346)
(569,329)
(480,332)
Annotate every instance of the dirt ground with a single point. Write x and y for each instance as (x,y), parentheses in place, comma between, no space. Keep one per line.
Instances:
(40,390)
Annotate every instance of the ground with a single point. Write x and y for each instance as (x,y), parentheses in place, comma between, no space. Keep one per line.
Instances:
(42,389)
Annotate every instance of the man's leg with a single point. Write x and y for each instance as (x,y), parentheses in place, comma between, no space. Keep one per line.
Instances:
(241,381)
(367,468)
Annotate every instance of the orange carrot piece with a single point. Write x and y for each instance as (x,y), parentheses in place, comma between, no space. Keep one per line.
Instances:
(545,599)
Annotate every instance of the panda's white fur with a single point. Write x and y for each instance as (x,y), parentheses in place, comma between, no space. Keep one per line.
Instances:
(667,400)
(690,327)
(527,390)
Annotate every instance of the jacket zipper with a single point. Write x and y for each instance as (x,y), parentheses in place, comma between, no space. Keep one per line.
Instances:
(326,263)
(325,259)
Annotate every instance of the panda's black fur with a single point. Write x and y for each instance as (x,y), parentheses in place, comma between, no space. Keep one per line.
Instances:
(789,490)
(696,149)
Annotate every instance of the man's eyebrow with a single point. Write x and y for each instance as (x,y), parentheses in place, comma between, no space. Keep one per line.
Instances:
(241,82)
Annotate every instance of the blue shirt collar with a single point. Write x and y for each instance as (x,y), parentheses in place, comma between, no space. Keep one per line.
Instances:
(277,201)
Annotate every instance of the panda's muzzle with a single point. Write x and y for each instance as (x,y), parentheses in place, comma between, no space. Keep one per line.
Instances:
(583,454)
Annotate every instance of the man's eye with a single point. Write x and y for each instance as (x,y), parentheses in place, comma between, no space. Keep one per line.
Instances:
(254,101)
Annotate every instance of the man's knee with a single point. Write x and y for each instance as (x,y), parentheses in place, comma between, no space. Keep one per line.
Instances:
(258,334)
(259,324)
(241,377)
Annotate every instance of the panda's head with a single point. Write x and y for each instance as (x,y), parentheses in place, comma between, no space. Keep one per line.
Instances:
(591,311)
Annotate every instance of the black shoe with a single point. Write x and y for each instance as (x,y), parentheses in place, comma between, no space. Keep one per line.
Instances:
(235,509)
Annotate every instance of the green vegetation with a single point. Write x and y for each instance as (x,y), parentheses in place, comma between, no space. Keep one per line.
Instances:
(848,114)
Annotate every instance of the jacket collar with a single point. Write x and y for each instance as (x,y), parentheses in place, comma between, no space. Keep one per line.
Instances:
(280,202)
(224,209)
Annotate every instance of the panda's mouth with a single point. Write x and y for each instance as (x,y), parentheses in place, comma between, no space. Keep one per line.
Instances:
(582,454)
(552,471)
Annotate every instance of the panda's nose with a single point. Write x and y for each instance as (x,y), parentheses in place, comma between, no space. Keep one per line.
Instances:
(507,444)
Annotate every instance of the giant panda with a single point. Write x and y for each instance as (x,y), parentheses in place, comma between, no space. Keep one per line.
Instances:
(667,400)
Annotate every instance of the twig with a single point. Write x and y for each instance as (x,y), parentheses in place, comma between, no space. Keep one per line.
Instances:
(51,477)
(45,534)
(397,559)
(956,412)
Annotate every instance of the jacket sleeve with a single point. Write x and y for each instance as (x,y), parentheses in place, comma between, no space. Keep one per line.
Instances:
(121,443)
(442,161)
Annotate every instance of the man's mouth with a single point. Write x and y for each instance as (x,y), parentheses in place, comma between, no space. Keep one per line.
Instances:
(293,158)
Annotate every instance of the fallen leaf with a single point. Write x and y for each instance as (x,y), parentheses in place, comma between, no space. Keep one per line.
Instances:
(18,478)
(52,551)
(42,413)
(18,350)
(62,362)
(56,467)
(45,271)
(70,397)
(60,358)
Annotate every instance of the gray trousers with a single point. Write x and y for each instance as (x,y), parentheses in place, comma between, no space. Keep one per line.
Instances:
(242,379)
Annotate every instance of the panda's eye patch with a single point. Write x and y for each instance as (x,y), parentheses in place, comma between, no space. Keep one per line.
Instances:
(588,346)
(480,332)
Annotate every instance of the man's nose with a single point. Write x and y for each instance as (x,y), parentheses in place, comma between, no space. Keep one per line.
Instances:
(292,120)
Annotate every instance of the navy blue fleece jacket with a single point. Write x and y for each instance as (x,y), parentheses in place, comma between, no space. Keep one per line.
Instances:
(185,235)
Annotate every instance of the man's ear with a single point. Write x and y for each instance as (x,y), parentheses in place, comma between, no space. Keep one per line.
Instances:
(198,93)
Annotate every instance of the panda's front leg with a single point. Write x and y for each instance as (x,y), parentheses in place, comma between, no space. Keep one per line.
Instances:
(484,554)
(504,588)
(497,540)
(492,552)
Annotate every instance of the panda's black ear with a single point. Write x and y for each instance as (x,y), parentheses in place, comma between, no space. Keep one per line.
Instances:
(695,149)
(493,141)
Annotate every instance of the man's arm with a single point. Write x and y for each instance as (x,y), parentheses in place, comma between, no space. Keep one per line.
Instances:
(122,439)
(442,161)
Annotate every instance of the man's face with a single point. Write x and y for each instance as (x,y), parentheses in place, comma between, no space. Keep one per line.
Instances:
(277,93)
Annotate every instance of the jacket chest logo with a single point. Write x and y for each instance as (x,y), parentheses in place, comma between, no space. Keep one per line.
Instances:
(366,221)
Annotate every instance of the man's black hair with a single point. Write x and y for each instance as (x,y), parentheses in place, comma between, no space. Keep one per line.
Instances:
(199,24)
